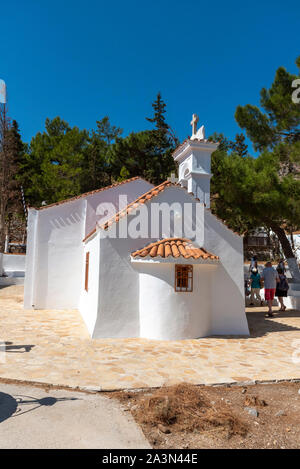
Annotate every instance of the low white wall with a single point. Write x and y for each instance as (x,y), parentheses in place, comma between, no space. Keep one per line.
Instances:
(292,302)
(293,299)
(169,315)
(8,281)
(13,264)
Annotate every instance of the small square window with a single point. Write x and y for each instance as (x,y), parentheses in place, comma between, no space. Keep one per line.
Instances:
(183,278)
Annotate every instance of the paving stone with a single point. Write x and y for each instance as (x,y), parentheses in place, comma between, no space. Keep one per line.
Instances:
(62,352)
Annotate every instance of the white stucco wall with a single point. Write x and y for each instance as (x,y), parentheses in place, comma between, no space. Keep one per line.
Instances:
(194,160)
(55,249)
(118,197)
(228,297)
(31,259)
(88,303)
(55,255)
(169,315)
(124,311)
(118,311)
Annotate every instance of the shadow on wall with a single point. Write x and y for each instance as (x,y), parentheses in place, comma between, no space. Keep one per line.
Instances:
(161,271)
(62,222)
(10,406)
(228,305)
(230,238)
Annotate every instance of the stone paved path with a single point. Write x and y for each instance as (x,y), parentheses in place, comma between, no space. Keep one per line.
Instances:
(59,351)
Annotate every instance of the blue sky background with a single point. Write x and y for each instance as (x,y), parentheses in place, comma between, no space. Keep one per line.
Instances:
(84,60)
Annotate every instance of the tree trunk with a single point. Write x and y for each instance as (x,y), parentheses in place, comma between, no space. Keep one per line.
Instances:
(2,226)
(287,251)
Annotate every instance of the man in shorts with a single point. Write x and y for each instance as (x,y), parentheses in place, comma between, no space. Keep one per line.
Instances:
(270,278)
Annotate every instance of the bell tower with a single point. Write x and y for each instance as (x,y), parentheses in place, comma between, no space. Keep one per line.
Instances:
(194,157)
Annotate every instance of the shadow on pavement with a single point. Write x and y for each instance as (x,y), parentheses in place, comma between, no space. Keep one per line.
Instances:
(10,347)
(11,406)
(260,326)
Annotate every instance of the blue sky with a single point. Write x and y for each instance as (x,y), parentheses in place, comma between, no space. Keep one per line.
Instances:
(84,60)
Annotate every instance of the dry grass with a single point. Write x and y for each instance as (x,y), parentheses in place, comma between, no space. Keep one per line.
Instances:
(187,416)
(185,408)
(254,401)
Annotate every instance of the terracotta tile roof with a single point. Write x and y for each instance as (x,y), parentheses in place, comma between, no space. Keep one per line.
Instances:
(89,193)
(174,247)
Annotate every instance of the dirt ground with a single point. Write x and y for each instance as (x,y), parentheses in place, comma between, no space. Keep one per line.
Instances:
(187,416)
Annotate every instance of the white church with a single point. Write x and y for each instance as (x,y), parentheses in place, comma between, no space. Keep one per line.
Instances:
(141,261)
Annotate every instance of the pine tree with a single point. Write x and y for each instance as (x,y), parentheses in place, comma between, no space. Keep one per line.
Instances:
(239,146)
(97,172)
(164,142)
(163,132)
(159,119)
(54,163)
(148,153)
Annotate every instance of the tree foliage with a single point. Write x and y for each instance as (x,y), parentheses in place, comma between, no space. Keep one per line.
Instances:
(11,154)
(148,153)
(279,121)
(64,161)
(264,191)
(53,166)
(97,171)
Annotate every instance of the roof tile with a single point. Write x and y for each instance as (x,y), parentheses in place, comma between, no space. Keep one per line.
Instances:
(174,247)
